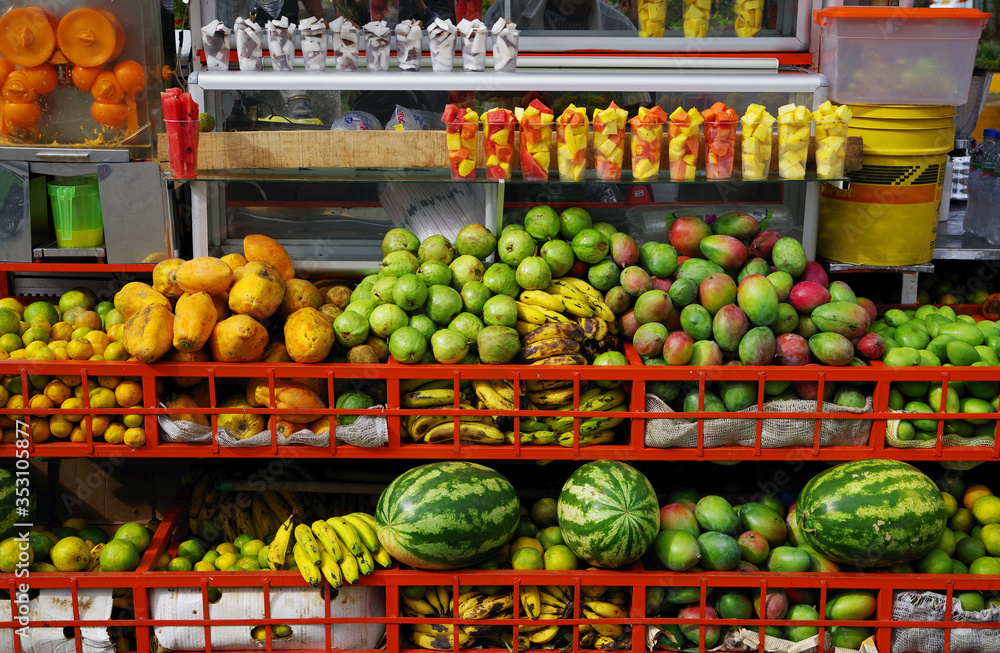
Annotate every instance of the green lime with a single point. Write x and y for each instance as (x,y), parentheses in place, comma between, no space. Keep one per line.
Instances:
(193,550)
(180,564)
(206,122)
(94,534)
(241,540)
(134,533)
(119,555)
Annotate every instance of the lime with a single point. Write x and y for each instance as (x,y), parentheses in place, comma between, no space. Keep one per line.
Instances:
(180,564)
(251,549)
(94,534)
(227,547)
(206,122)
(986,509)
(526,542)
(262,556)
(248,563)
(550,537)
(40,545)
(241,540)
(210,556)
(971,601)
(935,562)
(134,533)
(65,531)
(73,298)
(9,321)
(969,549)
(950,505)
(543,513)
(560,558)
(11,342)
(527,558)
(41,309)
(202,565)
(70,554)
(961,521)
(104,307)
(119,555)
(10,551)
(990,535)
(14,305)
(193,550)
(226,560)
(985,566)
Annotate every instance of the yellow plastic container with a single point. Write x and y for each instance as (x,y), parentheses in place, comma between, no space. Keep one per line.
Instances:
(76,212)
(889,214)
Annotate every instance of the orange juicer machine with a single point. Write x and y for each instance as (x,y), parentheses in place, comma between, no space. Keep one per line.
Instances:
(40,50)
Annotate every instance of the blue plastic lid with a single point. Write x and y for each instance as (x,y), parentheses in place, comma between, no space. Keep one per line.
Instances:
(989,133)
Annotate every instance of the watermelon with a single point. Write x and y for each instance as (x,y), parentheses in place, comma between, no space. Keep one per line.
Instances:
(8,504)
(446,515)
(608,513)
(871,513)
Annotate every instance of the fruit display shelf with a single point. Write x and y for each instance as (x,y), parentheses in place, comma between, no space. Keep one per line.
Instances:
(629,442)
(637,581)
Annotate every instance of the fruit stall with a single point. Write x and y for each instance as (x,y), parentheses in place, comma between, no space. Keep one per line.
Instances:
(598,355)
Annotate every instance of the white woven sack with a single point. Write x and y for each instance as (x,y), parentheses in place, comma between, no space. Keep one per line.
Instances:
(930,606)
(776,432)
(948,440)
(57,605)
(367,431)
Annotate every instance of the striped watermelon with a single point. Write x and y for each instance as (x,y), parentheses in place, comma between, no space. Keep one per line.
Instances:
(871,513)
(8,506)
(608,513)
(446,515)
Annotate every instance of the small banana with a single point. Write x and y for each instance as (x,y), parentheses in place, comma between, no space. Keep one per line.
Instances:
(549,347)
(293,503)
(600,437)
(310,572)
(365,530)
(577,308)
(546,597)
(583,287)
(410,385)
(562,359)
(564,288)
(440,642)
(602,310)
(538,315)
(491,397)
(279,509)
(278,548)
(382,558)
(328,540)
(605,643)
(418,606)
(537,385)
(604,400)
(431,628)
(347,534)
(331,570)
(524,328)
(424,398)
(489,607)
(606,610)
(304,538)
(505,389)
(366,564)
(349,567)
(531,601)
(560,593)
(543,299)
(444,598)
(544,635)
(468,433)
(431,596)
(551,398)
(95,557)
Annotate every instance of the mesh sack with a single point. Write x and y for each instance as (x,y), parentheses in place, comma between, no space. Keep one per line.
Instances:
(367,431)
(776,432)
(929,606)
(949,440)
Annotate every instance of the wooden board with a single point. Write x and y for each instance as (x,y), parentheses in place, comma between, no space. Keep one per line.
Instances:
(374,149)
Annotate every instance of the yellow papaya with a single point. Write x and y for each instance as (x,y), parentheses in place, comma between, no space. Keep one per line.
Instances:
(148,333)
(197,356)
(234,260)
(300,293)
(238,339)
(194,321)
(258,292)
(178,403)
(203,274)
(308,335)
(257,247)
(162,274)
(136,294)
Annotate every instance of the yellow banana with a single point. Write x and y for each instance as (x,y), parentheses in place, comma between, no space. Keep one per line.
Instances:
(259,633)
(570,330)
(468,432)
(578,308)
(605,643)
(365,530)
(260,516)
(279,509)
(562,359)
(544,635)
(604,400)
(410,385)
(278,548)
(349,566)
(425,398)
(531,601)
(489,395)
(608,630)
(564,288)
(601,437)
(551,398)
(366,564)
(546,597)
(606,610)
(431,596)
(328,539)
(561,593)
(602,310)
(550,347)
(504,388)
(368,518)
(489,607)
(383,558)
(310,572)
(536,385)
(583,287)
(529,313)
(524,328)
(440,642)
(431,628)
(347,534)
(419,606)
(95,557)
(331,570)
(304,538)
(444,598)
(293,503)
(543,299)
(614,328)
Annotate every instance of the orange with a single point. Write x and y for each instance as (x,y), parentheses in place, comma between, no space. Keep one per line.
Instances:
(99,424)
(40,430)
(61,331)
(114,433)
(43,78)
(107,89)
(73,403)
(17,88)
(22,115)
(986,509)
(103,398)
(131,75)
(83,78)
(134,533)
(135,437)
(109,381)
(6,68)
(109,115)
(128,394)
(180,564)
(115,351)
(70,554)
(973,493)
(119,555)
(40,402)
(80,349)
(522,542)
(78,434)
(99,340)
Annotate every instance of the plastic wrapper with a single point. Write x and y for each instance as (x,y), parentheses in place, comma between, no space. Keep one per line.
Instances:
(756,140)
(404,119)
(749,15)
(408,38)
(696,15)
(652,16)
(831,139)
(536,140)
(793,141)
(720,141)
(572,129)
(498,143)
(356,121)
(461,126)
(505,39)
(384,10)
(345,44)
(377,42)
(312,35)
(441,37)
(646,144)
(249,44)
(684,134)
(215,39)
(609,141)
(473,34)
(280,43)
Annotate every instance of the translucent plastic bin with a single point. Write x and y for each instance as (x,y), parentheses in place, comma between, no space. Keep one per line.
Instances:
(891,55)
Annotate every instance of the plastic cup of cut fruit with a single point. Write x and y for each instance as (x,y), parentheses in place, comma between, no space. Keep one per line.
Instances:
(793,148)
(652,16)
(498,143)
(831,148)
(461,137)
(536,147)
(646,149)
(609,143)
(720,149)
(756,142)
(571,149)
(682,150)
(182,147)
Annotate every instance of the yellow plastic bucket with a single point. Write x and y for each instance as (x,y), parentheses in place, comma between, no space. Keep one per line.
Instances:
(889,213)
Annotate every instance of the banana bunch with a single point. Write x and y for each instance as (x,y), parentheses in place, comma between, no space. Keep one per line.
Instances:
(559,429)
(439,603)
(440,394)
(339,549)
(543,603)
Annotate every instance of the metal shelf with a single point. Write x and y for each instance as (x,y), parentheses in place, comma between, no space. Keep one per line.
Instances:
(953,244)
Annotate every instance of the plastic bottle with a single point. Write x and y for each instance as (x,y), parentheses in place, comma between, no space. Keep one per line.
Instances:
(972,222)
(989,216)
